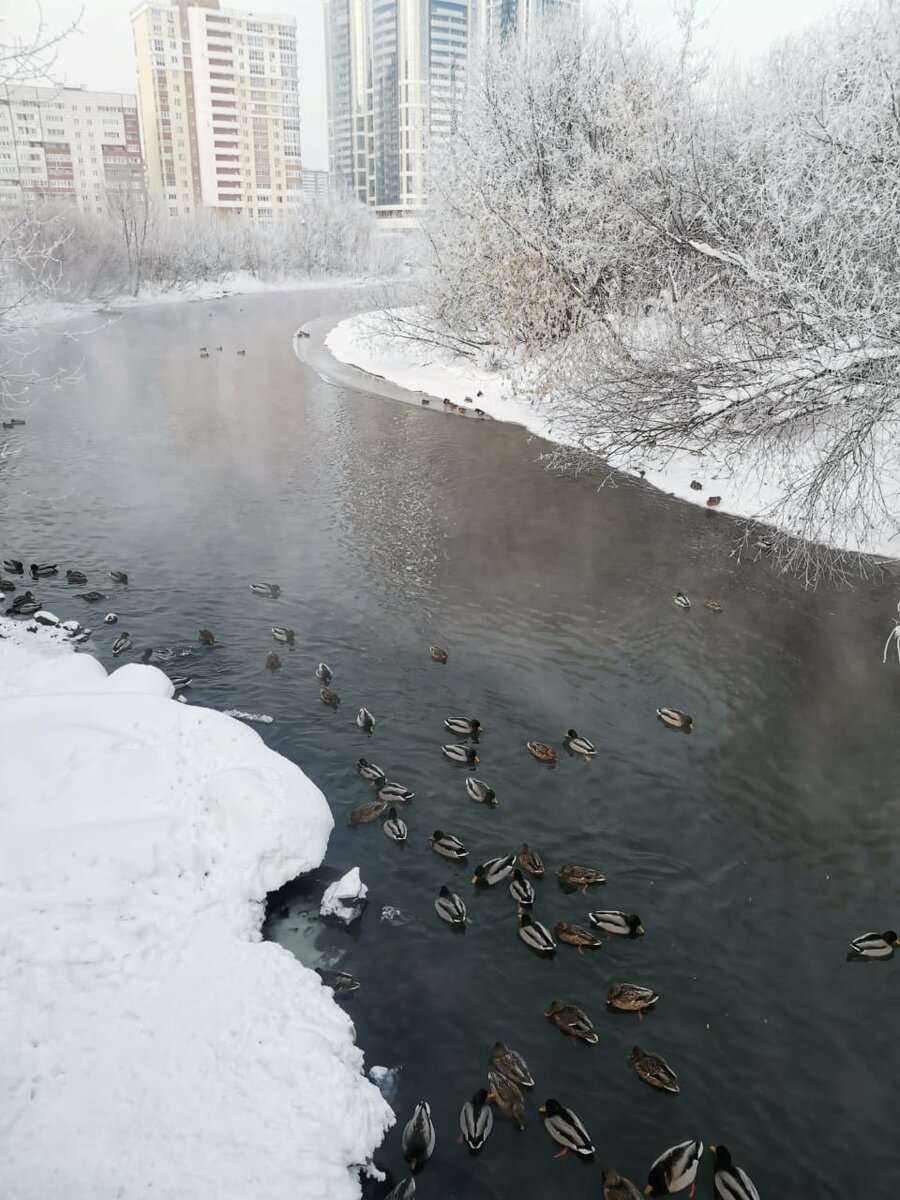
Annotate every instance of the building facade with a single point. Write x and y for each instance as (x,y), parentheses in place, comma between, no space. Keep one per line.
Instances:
(219,108)
(68,145)
(513,18)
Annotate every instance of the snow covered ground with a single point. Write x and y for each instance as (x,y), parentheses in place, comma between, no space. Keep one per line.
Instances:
(150,1041)
(365,342)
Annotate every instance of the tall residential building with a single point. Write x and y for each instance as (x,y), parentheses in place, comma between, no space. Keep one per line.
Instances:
(68,144)
(395,75)
(510,18)
(219,107)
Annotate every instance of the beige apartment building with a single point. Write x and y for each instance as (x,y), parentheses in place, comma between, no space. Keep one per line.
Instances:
(68,145)
(219,108)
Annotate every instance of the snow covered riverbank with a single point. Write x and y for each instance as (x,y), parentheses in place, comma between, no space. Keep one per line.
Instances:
(150,1041)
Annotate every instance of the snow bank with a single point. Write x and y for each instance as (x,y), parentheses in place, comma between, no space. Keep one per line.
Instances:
(150,1041)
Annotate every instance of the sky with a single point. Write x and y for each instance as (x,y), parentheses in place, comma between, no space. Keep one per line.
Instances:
(101,56)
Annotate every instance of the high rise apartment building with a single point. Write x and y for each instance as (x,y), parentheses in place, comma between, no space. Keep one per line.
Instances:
(219,107)
(511,18)
(69,145)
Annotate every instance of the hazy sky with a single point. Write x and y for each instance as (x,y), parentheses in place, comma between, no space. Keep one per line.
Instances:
(101,55)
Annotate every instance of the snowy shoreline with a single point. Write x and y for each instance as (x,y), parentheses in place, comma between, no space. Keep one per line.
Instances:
(150,1039)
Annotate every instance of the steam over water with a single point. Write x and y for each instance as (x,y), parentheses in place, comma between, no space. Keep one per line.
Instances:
(753,849)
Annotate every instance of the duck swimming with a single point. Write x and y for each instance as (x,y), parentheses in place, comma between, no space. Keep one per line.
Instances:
(478,790)
(521,889)
(494,871)
(324,672)
(365,720)
(273,662)
(575,935)
(41,569)
(542,752)
(78,577)
(417,1140)
(110,618)
(438,653)
(464,726)
(396,792)
(270,590)
(732,1183)
(450,908)
(507,1095)
(476,1120)
(681,600)
(579,745)
(674,718)
(365,813)
(572,875)
(616,1187)
(572,1020)
(370,771)
(675,1170)
(511,1064)
(14,566)
(461,755)
(566,1129)
(874,945)
(448,846)
(121,644)
(531,861)
(535,935)
(712,605)
(616,923)
(118,576)
(394,828)
(327,696)
(340,982)
(654,1070)
(631,997)
(282,634)
(91,597)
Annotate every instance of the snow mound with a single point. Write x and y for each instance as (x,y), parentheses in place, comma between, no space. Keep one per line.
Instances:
(150,1041)
(345,898)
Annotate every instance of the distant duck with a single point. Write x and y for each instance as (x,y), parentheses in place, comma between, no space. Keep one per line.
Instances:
(573,875)
(572,1020)
(205,637)
(203,348)
(7,424)
(7,585)
(365,720)
(202,355)
(324,673)
(674,718)
(712,605)
(394,828)
(494,871)
(340,982)
(507,1095)
(542,752)
(464,726)
(121,644)
(479,395)
(273,662)
(77,577)
(476,1120)
(446,402)
(41,569)
(675,1170)
(327,696)
(479,412)
(147,655)
(450,908)
(654,1070)
(282,634)
(417,1140)
(521,889)
(370,771)
(395,792)
(118,576)
(732,1183)
(270,590)
(218,347)
(575,935)
(448,846)
(468,399)
(438,653)
(426,402)
(535,935)
(713,501)
(16,421)
(242,351)
(26,597)
(874,945)
(24,609)
(405,1190)
(180,682)
(681,600)
(14,566)
(617,1187)
(631,997)
(461,755)
(617,924)
(531,861)
(566,1129)
(696,485)
(91,597)
(579,745)
(365,813)
(478,790)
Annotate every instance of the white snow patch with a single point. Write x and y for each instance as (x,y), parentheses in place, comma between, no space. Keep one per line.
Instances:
(150,1041)
(349,888)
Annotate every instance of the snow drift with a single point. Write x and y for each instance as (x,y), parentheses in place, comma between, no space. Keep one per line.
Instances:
(150,1041)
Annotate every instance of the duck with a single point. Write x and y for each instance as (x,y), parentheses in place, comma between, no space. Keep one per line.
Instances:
(121,644)
(438,654)
(206,638)
(543,753)
(617,1187)
(242,352)
(616,923)
(531,861)
(732,1183)
(461,755)
(674,718)
(425,401)
(282,634)
(42,569)
(273,662)
(511,1064)
(874,945)
(204,354)
(448,846)
(494,870)
(370,771)
(575,935)
(476,1120)
(654,1070)
(365,813)
(447,402)
(696,485)
(572,875)
(478,790)
(7,585)
(77,577)
(327,696)
(681,600)
(118,576)
(270,590)
(521,889)
(393,827)
(16,421)
(450,908)
(566,1129)
(111,618)
(574,1021)
(25,608)
(179,682)
(535,935)
(218,347)
(713,605)
(91,597)
(631,997)
(579,745)
(396,792)
(324,673)
(713,501)
(464,726)
(507,1095)
(26,597)
(14,566)
(675,1170)
(365,720)
(340,982)
(417,1140)
(405,1190)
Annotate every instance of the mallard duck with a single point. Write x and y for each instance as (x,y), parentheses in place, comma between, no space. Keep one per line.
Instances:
(78,577)
(531,861)
(339,981)
(41,569)
(180,682)
(324,673)
(327,696)
(544,754)
(696,485)
(712,605)
(713,501)
(284,635)
(572,1020)
(874,945)
(674,718)
(425,401)
(405,1190)
(273,662)
(450,908)
(476,1120)
(579,745)
(370,811)
(535,935)
(371,772)
(654,1069)
(675,1170)
(581,877)
(508,1097)
(448,846)
(14,566)
(417,1140)
(566,1129)
(521,889)
(110,618)
(617,923)
(205,637)
(438,653)
(118,576)
(270,590)
(494,870)
(91,597)
(121,644)
(511,1064)
(575,935)
(396,792)
(478,790)
(681,600)
(7,585)
(459,754)
(242,352)
(464,726)
(393,827)
(23,608)
(631,997)
(147,654)
(616,1187)
(732,1183)
(365,720)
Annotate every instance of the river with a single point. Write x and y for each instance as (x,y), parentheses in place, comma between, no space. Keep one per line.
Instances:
(753,849)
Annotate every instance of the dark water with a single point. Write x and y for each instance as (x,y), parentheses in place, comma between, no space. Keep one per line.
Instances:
(753,850)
